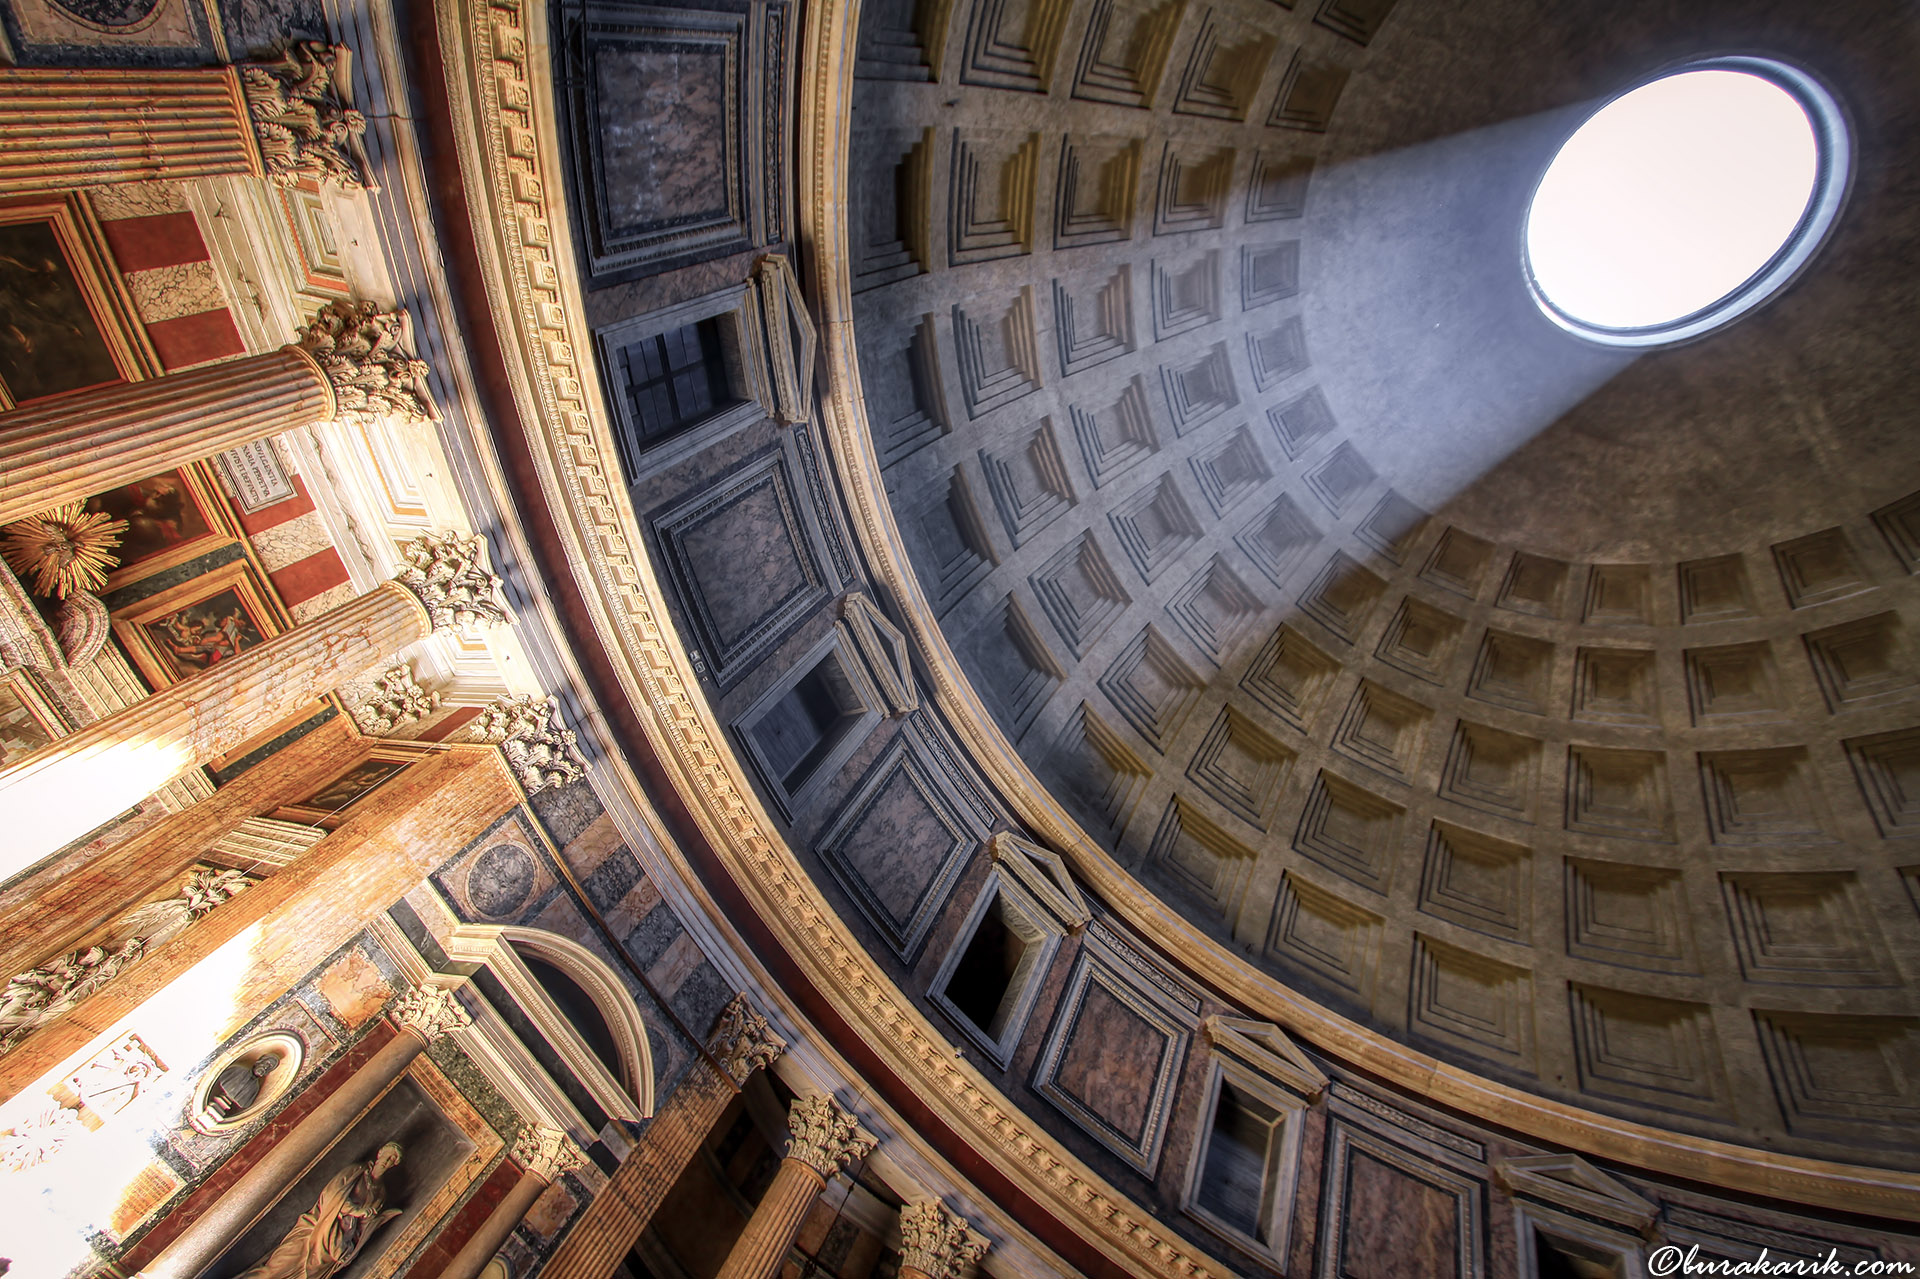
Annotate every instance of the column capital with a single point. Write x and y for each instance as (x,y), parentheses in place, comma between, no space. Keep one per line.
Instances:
(546,1152)
(824,1137)
(449,576)
(430,1012)
(302,108)
(742,1041)
(939,1241)
(542,751)
(367,356)
(395,699)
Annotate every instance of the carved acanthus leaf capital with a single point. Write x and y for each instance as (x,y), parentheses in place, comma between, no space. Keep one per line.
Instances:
(367,354)
(542,751)
(301,104)
(449,576)
(742,1041)
(430,1012)
(824,1137)
(939,1241)
(396,699)
(546,1152)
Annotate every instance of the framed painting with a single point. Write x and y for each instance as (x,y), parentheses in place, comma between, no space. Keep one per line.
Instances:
(28,719)
(69,323)
(192,627)
(171,518)
(329,802)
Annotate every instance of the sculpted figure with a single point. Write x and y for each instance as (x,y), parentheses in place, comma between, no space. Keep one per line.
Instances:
(238,1086)
(351,1209)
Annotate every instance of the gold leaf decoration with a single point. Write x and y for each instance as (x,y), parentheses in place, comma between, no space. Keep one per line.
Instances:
(67,550)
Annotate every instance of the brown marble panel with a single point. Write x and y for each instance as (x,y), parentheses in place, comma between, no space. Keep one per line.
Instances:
(1396,1226)
(1111,1061)
(663,133)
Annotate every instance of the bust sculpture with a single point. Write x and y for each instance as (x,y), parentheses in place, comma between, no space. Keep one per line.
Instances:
(236,1088)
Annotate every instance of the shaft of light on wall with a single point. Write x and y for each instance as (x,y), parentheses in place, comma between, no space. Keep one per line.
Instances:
(45,808)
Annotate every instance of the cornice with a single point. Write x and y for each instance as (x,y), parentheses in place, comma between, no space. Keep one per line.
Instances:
(826,107)
(503,123)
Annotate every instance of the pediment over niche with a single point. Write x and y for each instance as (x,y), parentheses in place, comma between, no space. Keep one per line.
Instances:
(1266,1049)
(884,649)
(1568,1181)
(791,337)
(1043,873)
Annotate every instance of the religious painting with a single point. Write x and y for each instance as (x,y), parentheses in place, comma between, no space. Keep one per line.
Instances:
(366,1204)
(63,326)
(195,626)
(349,788)
(28,720)
(171,518)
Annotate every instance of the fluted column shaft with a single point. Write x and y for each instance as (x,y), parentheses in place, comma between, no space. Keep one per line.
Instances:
(64,128)
(823,1139)
(77,445)
(424,1014)
(69,786)
(543,1154)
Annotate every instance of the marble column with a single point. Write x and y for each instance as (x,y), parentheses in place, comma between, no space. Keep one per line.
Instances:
(822,1139)
(353,358)
(543,1154)
(742,1042)
(73,784)
(287,118)
(422,1014)
(937,1243)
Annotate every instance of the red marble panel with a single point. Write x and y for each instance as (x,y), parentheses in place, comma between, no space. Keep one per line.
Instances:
(1397,1226)
(305,578)
(163,239)
(195,339)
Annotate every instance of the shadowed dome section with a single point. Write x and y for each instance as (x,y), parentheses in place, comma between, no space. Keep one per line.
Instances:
(1685,202)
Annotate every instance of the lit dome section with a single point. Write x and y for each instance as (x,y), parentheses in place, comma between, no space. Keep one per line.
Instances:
(1685,202)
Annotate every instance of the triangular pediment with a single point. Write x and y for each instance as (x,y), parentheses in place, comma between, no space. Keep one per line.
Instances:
(1268,1050)
(1571,1182)
(1043,873)
(884,649)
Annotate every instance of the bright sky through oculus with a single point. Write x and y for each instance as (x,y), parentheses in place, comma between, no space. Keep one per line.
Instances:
(1671,197)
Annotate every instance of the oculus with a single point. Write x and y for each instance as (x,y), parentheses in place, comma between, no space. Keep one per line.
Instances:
(1686,201)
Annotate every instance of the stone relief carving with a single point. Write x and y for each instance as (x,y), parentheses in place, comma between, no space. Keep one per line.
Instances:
(106,1084)
(81,624)
(40,995)
(541,750)
(396,700)
(367,354)
(546,1152)
(939,1241)
(303,115)
(742,1041)
(449,575)
(824,1137)
(430,1012)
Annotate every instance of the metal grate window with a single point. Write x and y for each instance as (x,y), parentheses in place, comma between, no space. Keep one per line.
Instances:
(674,380)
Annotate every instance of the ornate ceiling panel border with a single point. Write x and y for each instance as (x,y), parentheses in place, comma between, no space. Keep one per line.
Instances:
(496,62)
(824,218)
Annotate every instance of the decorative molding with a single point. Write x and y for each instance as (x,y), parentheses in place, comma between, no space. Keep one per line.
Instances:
(791,338)
(1266,1048)
(542,751)
(884,650)
(1569,1181)
(1044,874)
(824,1137)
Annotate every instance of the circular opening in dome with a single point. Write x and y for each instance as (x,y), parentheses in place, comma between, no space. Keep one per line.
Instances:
(1686,201)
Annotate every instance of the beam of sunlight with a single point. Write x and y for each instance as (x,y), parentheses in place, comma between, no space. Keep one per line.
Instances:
(45,808)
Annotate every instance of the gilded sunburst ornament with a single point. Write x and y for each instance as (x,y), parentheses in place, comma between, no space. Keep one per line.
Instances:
(66,550)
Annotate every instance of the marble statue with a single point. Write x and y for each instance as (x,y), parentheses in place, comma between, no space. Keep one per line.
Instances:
(326,1239)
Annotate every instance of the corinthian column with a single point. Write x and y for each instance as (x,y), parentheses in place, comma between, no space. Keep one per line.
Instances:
(352,359)
(422,1014)
(77,782)
(822,1140)
(543,1154)
(741,1043)
(936,1243)
(287,118)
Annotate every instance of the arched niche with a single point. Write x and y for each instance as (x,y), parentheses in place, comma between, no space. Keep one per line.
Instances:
(625,1092)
